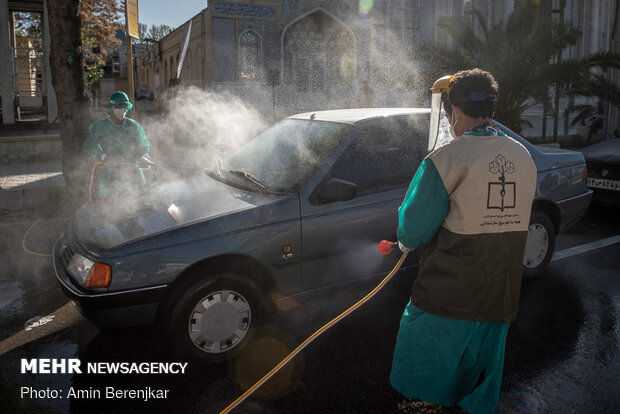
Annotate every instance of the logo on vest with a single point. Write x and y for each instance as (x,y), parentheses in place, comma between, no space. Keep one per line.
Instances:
(502,194)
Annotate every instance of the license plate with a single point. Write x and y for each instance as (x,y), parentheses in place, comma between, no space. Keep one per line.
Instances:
(604,184)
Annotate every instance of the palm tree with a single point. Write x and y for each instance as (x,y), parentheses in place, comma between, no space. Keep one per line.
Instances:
(592,82)
(523,54)
(517,53)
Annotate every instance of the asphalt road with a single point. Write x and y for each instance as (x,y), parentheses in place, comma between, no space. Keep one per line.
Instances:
(562,354)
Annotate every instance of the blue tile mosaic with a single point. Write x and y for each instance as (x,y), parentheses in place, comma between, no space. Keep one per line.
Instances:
(240,9)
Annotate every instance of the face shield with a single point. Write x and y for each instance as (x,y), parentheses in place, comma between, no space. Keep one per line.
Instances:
(439,101)
(434,125)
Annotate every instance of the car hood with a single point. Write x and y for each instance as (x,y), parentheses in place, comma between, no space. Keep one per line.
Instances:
(109,223)
(607,151)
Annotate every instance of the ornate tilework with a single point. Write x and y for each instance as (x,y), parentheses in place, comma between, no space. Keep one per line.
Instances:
(271,39)
(341,8)
(256,25)
(240,9)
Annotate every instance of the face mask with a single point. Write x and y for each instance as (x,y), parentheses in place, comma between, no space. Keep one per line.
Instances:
(453,124)
(119,113)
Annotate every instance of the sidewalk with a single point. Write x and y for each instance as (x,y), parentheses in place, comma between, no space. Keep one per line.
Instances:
(28,185)
(20,146)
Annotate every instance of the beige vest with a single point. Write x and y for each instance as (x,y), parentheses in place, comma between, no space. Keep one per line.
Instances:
(472,269)
(490,181)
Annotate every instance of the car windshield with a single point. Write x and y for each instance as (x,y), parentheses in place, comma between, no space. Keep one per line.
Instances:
(285,156)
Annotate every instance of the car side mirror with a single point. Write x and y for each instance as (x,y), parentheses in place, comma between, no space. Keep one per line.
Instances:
(337,190)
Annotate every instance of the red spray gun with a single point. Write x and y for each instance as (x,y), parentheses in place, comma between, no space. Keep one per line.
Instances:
(386,247)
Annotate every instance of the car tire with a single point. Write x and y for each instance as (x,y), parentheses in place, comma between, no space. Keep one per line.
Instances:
(539,246)
(215,317)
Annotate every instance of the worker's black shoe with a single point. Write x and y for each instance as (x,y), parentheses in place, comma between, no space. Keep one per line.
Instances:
(417,406)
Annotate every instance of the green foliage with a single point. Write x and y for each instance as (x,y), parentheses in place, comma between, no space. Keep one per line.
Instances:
(519,53)
(100,19)
(28,25)
(594,85)
(523,55)
(93,73)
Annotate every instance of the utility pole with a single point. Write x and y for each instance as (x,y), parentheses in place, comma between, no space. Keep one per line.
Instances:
(132,30)
(130,81)
(556,98)
(544,10)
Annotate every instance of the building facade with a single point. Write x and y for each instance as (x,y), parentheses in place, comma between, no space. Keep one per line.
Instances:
(297,55)
(289,56)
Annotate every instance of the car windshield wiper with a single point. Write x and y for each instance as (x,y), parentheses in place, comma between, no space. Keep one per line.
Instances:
(250,178)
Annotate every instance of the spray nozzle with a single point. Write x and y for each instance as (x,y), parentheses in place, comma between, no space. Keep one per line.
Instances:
(386,247)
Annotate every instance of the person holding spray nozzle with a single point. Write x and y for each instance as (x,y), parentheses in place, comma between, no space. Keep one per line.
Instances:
(121,145)
(470,203)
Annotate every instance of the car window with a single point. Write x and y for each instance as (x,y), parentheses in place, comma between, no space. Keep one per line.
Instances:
(384,154)
(287,154)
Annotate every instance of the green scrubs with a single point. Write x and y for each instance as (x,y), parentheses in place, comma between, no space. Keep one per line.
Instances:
(449,361)
(127,143)
(442,360)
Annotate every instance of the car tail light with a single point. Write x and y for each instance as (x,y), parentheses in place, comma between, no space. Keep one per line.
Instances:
(100,276)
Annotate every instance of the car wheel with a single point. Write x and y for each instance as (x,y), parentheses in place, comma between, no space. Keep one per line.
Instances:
(215,317)
(539,246)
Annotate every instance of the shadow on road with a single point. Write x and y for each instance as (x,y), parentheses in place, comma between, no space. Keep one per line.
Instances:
(547,329)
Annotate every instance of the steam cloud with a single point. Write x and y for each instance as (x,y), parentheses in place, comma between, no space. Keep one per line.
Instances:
(196,129)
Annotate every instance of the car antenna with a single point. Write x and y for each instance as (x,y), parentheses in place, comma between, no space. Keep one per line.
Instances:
(312,117)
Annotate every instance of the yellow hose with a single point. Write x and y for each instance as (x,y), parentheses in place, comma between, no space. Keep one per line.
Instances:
(24,243)
(90,191)
(312,337)
(92,175)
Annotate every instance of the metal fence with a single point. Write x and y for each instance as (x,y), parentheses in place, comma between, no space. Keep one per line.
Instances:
(28,70)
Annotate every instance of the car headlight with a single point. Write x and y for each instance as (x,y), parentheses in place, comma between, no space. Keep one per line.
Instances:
(89,273)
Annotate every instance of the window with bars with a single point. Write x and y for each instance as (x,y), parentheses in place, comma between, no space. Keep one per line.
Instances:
(249,56)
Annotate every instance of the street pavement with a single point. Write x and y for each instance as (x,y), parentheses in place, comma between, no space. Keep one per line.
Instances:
(28,185)
(562,354)
(35,174)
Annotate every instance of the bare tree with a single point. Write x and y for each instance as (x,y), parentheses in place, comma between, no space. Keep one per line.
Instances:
(159,31)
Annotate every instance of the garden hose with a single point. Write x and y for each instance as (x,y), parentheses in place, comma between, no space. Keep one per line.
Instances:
(90,191)
(92,175)
(24,242)
(90,197)
(315,335)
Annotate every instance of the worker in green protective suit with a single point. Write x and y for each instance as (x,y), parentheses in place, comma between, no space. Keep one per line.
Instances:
(121,144)
(469,203)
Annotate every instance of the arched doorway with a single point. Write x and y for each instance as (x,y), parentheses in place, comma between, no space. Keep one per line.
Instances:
(318,54)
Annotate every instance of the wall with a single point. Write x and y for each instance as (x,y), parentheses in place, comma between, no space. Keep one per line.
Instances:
(378,42)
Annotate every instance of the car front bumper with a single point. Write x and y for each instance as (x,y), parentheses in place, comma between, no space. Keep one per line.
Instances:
(136,307)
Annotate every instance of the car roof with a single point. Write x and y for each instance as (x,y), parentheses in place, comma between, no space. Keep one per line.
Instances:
(353,116)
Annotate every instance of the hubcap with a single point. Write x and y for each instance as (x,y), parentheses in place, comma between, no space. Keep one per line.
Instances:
(536,246)
(219,321)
